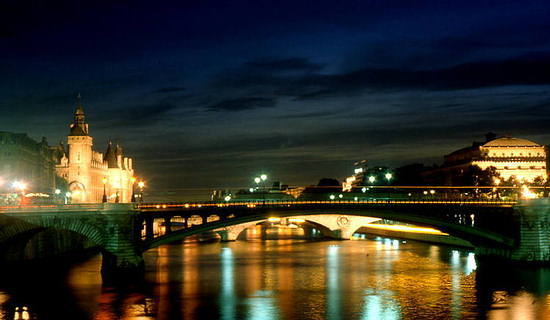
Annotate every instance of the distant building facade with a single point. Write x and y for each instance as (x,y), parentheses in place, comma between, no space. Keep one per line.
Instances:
(358,177)
(89,172)
(512,157)
(24,159)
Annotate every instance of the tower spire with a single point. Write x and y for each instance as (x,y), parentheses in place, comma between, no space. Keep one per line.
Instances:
(79,127)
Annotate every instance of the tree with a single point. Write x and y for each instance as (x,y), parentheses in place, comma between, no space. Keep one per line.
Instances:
(475,176)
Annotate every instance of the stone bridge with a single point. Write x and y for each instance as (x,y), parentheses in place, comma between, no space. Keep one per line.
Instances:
(513,231)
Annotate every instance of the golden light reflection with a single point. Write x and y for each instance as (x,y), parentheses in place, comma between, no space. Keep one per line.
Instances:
(402,228)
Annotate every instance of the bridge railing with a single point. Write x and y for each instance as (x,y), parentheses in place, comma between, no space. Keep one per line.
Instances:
(280,203)
(58,207)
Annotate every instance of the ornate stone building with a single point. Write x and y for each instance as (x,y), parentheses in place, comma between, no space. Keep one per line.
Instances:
(89,172)
(521,158)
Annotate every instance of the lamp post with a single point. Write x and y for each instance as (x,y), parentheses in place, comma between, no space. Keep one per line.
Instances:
(133,179)
(104,199)
(141,184)
(259,180)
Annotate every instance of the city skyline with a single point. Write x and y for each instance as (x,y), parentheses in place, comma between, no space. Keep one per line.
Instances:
(251,88)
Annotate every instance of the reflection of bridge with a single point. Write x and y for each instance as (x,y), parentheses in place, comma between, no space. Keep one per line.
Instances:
(514,231)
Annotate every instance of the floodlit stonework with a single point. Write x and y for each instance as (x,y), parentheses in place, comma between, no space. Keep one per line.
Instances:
(512,157)
(86,169)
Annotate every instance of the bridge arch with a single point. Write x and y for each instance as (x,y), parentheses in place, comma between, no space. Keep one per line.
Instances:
(470,233)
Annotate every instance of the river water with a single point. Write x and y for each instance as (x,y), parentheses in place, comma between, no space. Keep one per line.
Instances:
(286,279)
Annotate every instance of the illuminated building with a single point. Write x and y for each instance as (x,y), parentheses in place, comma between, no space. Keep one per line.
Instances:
(358,176)
(25,160)
(512,157)
(85,169)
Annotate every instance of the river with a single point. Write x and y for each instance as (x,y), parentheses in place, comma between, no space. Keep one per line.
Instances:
(286,279)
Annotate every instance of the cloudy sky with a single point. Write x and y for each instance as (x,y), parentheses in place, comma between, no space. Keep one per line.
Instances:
(211,93)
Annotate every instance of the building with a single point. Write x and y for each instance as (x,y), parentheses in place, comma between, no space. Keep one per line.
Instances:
(27,161)
(358,177)
(512,157)
(90,174)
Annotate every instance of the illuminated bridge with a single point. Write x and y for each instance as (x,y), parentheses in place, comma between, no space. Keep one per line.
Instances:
(512,230)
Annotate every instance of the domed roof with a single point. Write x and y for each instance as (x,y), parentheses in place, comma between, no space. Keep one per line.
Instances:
(511,142)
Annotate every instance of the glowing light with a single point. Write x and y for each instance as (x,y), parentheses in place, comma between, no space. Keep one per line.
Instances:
(257,180)
(141,184)
(251,190)
(340,196)
(497,181)
(104,180)
(19,185)
(332,197)
(57,191)
(296,220)
(411,229)
(527,194)
(227,198)
(432,191)
(355,198)
(388,176)
(363,189)
(274,219)
(372,179)
(263,177)
(68,194)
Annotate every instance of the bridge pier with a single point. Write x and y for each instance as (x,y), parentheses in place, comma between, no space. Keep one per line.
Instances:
(533,221)
(232,232)
(168,224)
(121,254)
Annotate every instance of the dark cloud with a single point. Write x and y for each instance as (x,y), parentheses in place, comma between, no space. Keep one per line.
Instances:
(284,64)
(245,103)
(133,116)
(171,90)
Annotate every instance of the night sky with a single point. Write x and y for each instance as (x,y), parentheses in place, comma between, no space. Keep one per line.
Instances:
(211,93)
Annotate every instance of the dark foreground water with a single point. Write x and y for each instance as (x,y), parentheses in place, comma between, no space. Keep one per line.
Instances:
(286,279)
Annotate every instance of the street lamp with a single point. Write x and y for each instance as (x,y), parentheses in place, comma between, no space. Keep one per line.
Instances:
(104,199)
(19,186)
(388,176)
(141,184)
(133,179)
(258,180)
(372,179)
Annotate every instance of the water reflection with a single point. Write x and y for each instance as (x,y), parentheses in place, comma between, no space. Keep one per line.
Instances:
(227,299)
(370,279)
